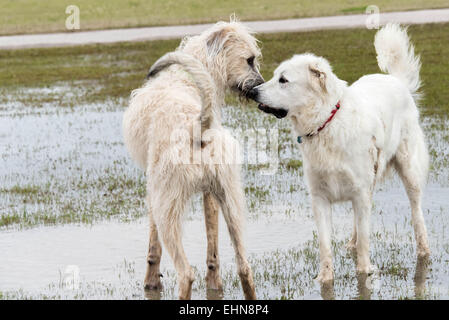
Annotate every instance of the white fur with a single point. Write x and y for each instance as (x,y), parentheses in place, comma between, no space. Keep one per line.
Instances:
(163,134)
(396,56)
(377,127)
(203,80)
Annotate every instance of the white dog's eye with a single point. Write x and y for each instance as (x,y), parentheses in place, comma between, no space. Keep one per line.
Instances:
(283,80)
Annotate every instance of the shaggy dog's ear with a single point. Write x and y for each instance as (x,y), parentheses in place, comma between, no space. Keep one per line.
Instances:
(318,77)
(216,41)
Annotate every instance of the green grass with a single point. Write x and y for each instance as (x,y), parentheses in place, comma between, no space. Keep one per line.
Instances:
(354,10)
(116,68)
(112,71)
(257,191)
(33,16)
(22,190)
(294,164)
(49,205)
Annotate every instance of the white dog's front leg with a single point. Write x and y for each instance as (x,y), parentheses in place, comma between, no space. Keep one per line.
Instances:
(352,243)
(322,212)
(362,211)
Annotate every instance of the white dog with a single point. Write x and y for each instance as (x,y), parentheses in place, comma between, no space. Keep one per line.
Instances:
(161,133)
(351,136)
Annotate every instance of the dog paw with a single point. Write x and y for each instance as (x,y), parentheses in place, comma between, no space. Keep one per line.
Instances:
(351,245)
(423,252)
(153,284)
(325,276)
(365,269)
(213,282)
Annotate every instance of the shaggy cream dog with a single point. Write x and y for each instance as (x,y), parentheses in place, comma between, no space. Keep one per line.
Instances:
(165,136)
(351,136)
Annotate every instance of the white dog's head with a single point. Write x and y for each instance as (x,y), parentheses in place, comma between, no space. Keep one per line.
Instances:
(230,52)
(300,85)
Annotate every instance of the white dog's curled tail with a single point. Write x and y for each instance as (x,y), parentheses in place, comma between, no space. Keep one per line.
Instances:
(396,56)
(202,78)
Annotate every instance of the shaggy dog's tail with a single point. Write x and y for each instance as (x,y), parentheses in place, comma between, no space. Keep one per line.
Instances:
(396,56)
(202,78)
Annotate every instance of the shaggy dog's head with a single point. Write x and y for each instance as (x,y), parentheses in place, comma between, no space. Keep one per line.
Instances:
(302,87)
(230,53)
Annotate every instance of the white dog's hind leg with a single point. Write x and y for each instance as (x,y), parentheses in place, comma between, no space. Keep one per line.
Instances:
(232,202)
(410,168)
(362,211)
(322,213)
(152,278)
(213,279)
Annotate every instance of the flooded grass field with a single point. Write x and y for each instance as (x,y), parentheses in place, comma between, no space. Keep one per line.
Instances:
(71,196)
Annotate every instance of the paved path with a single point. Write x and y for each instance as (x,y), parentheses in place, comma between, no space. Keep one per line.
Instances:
(170,32)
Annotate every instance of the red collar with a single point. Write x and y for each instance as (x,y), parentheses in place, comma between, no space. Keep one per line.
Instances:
(333,112)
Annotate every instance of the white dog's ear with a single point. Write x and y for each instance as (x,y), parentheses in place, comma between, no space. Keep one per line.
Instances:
(216,41)
(318,76)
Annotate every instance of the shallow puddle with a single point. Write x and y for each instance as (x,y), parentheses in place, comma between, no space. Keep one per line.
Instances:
(71,201)
(283,252)
(34,258)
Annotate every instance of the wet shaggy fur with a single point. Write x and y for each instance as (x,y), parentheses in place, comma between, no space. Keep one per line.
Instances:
(161,128)
(376,128)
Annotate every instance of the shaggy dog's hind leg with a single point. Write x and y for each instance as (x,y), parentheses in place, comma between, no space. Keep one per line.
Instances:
(152,278)
(168,214)
(232,202)
(213,279)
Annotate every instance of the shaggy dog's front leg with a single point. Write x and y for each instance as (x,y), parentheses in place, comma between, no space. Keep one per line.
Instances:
(322,212)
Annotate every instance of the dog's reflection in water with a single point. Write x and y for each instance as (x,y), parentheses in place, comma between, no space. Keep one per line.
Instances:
(363,288)
(152,294)
(210,294)
(327,290)
(365,283)
(422,269)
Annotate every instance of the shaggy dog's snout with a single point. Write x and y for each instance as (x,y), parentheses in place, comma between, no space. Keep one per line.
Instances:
(258,81)
(252,94)
(248,89)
